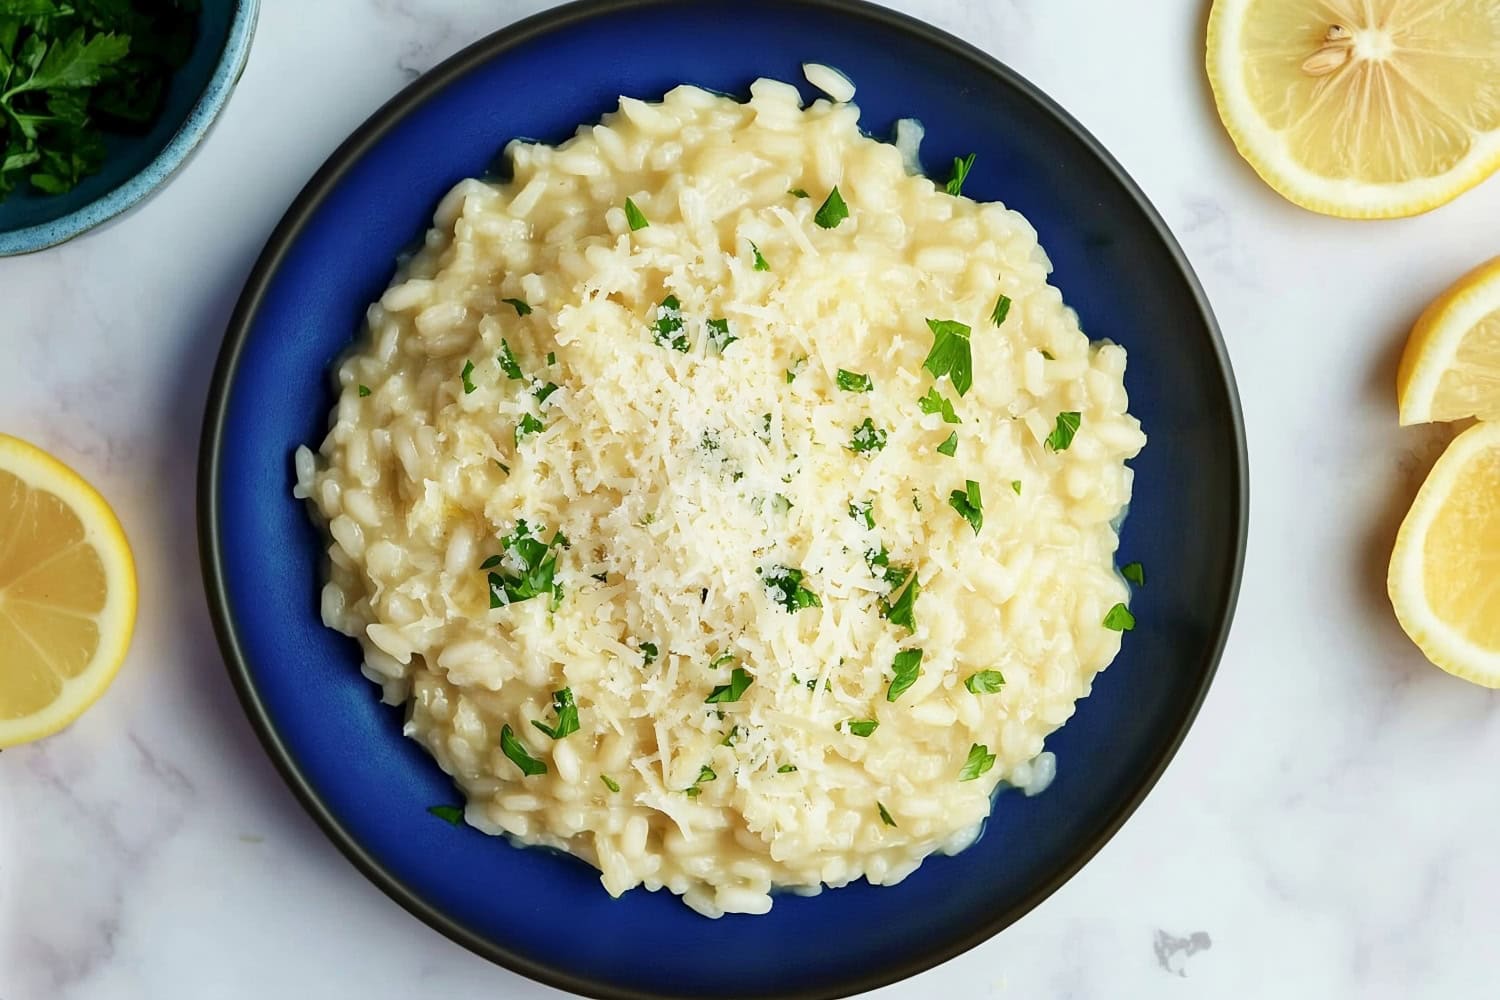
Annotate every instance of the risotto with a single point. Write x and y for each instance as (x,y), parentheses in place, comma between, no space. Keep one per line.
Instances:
(729,506)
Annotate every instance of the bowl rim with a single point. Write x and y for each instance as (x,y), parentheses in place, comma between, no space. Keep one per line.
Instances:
(162,167)
(290,228)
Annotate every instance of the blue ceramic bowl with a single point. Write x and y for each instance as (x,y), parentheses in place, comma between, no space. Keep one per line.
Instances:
(136,165)
(544,914)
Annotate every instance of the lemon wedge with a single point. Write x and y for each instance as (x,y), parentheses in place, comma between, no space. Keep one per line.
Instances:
(67,594)
(1445,572)
(1451,366)
(1364,109)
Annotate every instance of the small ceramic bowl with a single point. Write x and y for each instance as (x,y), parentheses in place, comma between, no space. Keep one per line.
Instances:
(136,166)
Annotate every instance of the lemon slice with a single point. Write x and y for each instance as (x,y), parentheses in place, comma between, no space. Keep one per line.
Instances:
(1451,366)
(1365,109)
(67,594)
(1445,571)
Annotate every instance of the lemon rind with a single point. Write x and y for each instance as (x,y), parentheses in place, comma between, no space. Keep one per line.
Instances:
(1432,348)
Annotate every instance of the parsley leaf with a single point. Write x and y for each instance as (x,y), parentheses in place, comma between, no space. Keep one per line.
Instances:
(541,392)
(968,504)
(950,353)
(468,377)
(902,610)
(980,760)
(885,816)
(450,814)
(863,510)
(739,681)
(786,769)
(719,335)
(797,193)
(634,216)
(516,751)
(795,370)
(950,446)
(1015,484)
(649,653)
(668,327)
(863,728)
(935,402)
(521,308)
(364,391)
(538,565)
(1120,619)
(1002,310)
(961,167)
(906,667)
(1062,434)
(1135,573)
(760,261)
(528,425)
(508,362)
(787,585)
(567,715)
(854,381)
(551,358)
(833,210)
(609,782)
(985,682)
(867,438)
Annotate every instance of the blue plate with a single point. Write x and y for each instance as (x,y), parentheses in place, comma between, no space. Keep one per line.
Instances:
(544,914)
(135,166)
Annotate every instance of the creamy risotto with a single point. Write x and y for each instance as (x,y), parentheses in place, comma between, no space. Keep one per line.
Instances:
(730,507)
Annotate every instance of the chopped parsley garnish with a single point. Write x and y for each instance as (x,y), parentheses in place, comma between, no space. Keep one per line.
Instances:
(722,659)
(490,563)
(451,814)
(867,438)
(501,465)
(635,216)
(551,357)
(543,391)
(1048,356)
(833,210)
(739,681)
(935,402)
(795,370)
(668,326)
(468,377)
(961,167)
(528,425)
(797,193)
(1015,484)
(609,782)
(731,737)
(950,353)
(950,446)
(985,682)
(519,305)
(719,335)
(903,609)
(862,728)
(1062,434)
(649,653)
(882,558)
(705,773)
(968,504)
(1135,573)
(513,749)
(508,362)
(790,594)
(885,816)
(980,760)
(567,715)
(863,510)
(760,261)
(780,504)
(1002,310)
(786,769)
(1119,619)
(906,667)
(364,391)
(854,381)
(538,561)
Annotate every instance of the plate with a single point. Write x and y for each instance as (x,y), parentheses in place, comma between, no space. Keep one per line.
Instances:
(544,914)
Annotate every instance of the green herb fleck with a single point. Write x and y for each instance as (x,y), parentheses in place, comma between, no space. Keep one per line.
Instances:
(468,377)
(609,782)
(364,391)
(885,816)
(1048,356)
(968,504)
(961,167)
(950,446)
(543,391)
(739,681)
(795,370)
(906,667)
(668,326)
(649,653)
(551,357)
(528,425)
(1120,619)
(854,381)
(867,438)
(1135,573)
(833,210)
(567,715)
(513,748)
(797,193)
(490,563)
(1002,310)
(760,261)
(1062,434)
(508,362)
(985,682)
(863,510)
(451,814)
(1015,484)
(519,305)
(787,585)
(862,728)
(538,561)
(903,609)
(935,402)
(634,216)
(719,335)
(980,760)
(786,769)
(950,353)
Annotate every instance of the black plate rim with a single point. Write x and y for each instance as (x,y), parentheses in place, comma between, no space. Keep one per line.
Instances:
(310,199)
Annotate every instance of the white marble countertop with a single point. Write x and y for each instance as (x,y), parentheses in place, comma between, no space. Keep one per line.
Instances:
(1325,831)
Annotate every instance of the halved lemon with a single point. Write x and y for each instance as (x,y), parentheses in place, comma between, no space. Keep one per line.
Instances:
(67,594)
(1445,572)
(1364,109)
(1451,366)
